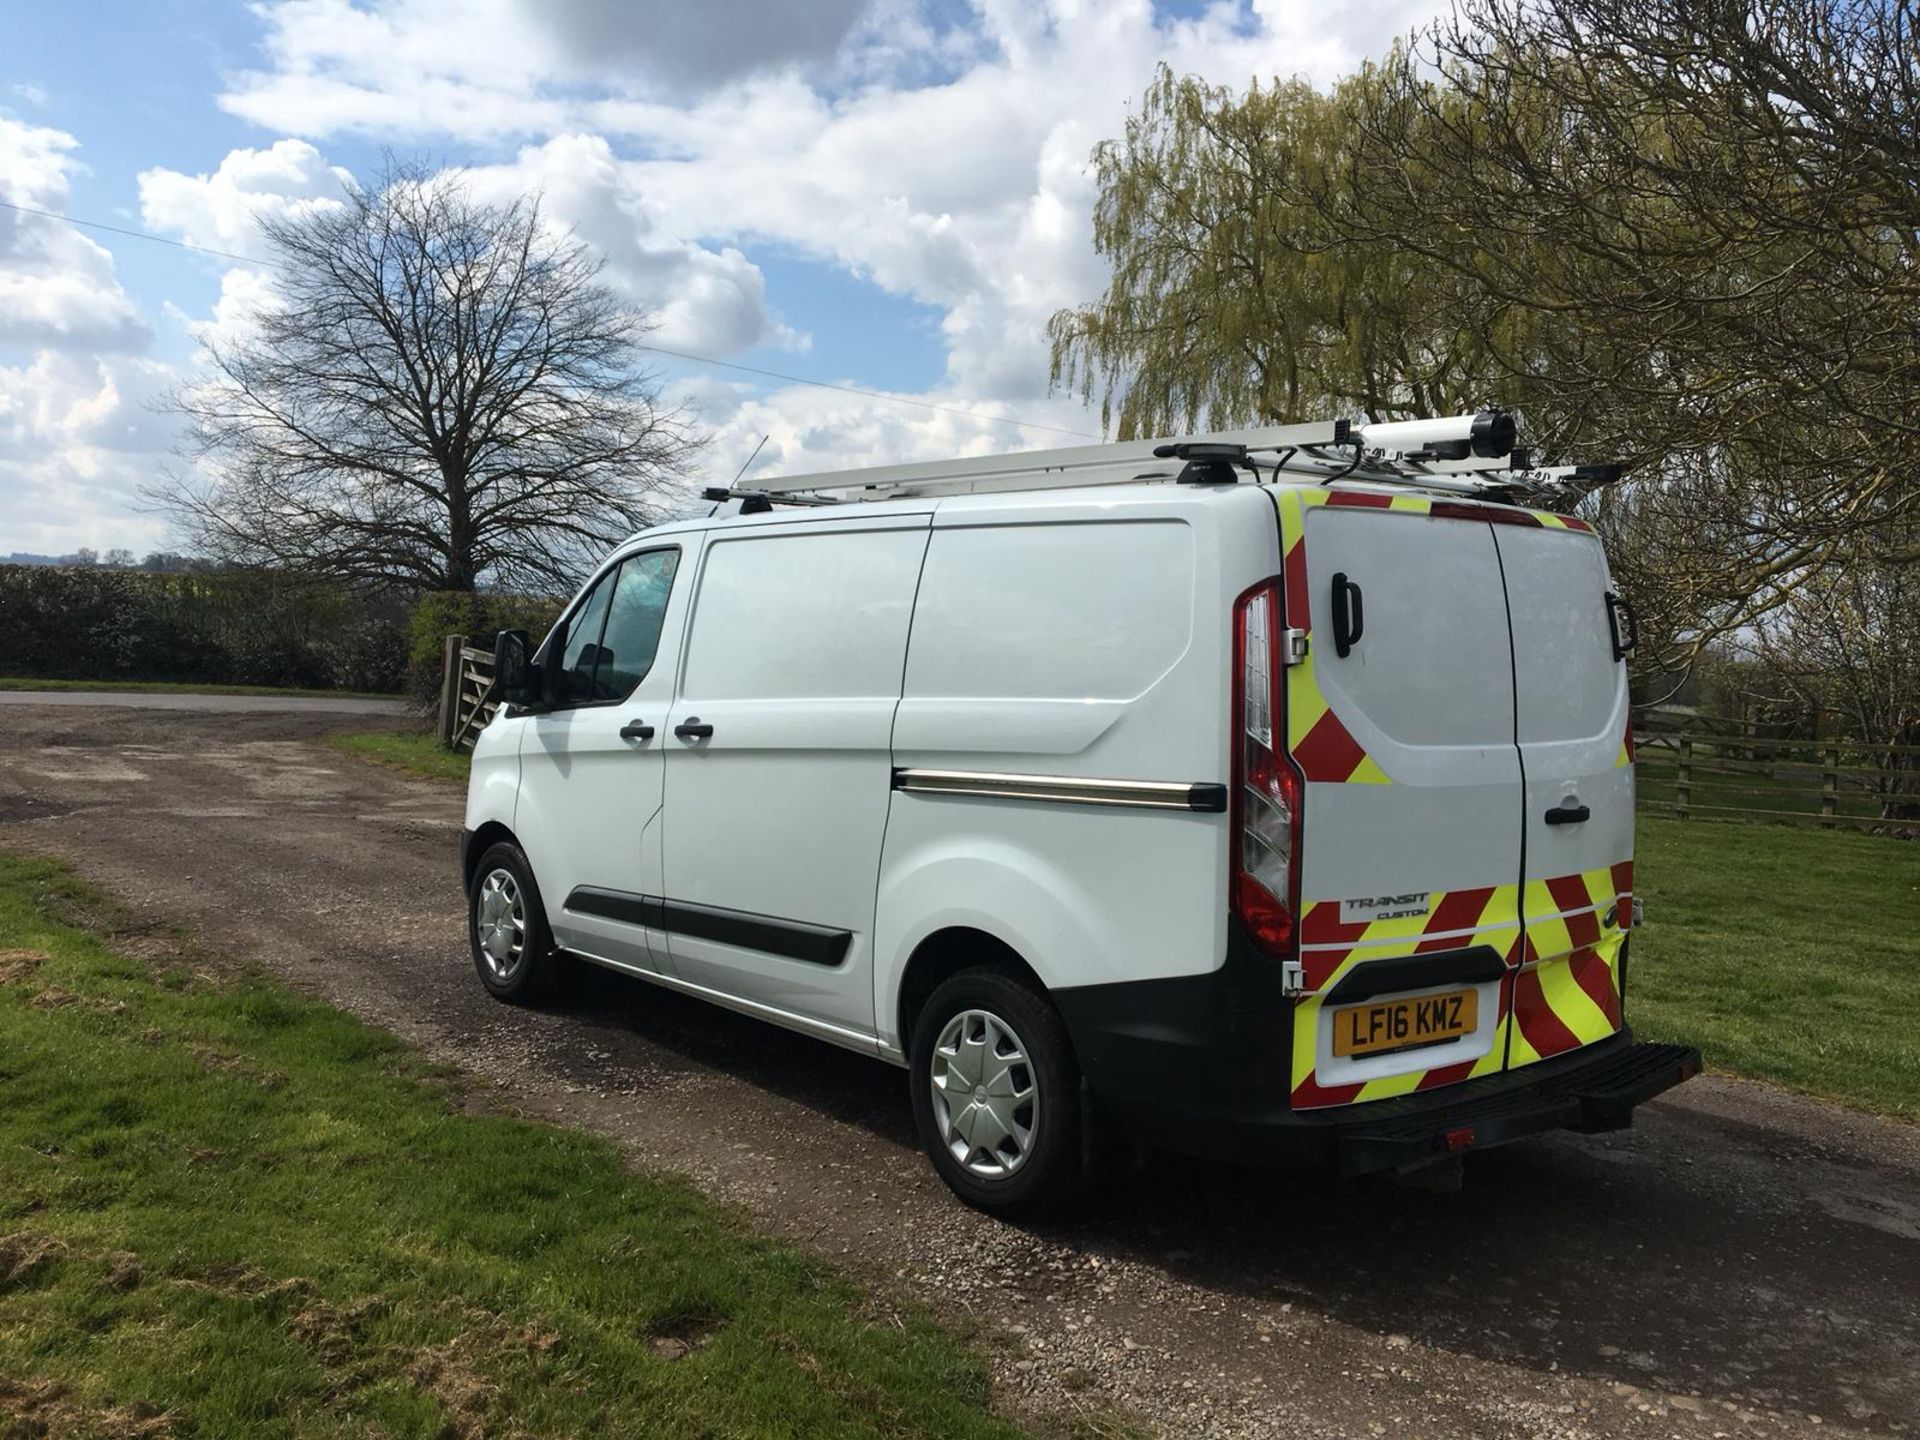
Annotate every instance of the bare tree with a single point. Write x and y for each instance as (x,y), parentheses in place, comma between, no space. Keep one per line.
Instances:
(442,392)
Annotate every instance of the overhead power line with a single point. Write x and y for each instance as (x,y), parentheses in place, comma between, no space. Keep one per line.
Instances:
(687,355)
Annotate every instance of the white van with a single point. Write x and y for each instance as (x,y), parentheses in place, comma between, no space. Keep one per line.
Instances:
(1266,795)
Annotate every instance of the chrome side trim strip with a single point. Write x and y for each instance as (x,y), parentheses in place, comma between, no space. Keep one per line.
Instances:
(1065,789)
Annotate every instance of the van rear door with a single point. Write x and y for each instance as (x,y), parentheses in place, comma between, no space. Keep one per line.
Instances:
(1400,719)
(1571,721)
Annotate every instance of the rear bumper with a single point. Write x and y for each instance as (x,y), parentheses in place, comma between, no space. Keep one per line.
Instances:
(1200,1065)
(1590,1090)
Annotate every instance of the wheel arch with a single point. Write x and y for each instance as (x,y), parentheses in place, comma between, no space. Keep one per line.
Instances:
(947,952)
(488,835)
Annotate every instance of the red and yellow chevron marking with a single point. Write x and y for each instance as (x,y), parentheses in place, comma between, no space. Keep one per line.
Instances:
(1567,993)
(1322,746)
(1562,989)
(1455,920)
(1625,758)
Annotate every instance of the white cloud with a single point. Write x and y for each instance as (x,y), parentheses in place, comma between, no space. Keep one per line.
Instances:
(57,284)
(948,164)
(78,439)
(30,94)
(704,299)
(222,210)
(940,153)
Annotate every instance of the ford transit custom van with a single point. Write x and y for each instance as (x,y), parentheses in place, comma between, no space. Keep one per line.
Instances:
(1264,795)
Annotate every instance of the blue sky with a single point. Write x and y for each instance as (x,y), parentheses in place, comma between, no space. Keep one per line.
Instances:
(887,194)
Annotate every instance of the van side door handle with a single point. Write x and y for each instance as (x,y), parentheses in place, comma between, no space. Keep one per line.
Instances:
(636,730)
(1568,815)
(692,729)
(1349,615)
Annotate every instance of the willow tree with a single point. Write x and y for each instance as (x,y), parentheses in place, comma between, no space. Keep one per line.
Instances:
(1236,294)
(441,392)
(1684,236)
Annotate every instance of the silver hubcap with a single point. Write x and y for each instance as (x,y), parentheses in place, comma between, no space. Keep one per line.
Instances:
(986,1100)
(500,922)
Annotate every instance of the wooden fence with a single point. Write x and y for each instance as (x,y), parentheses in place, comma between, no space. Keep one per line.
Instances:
(466,692)
(1832,784)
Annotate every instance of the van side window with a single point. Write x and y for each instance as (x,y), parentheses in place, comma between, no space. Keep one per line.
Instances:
(583,642)
(632,632)
(814,616)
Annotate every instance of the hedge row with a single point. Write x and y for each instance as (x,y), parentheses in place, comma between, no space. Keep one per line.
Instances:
(239,627)
(227,628)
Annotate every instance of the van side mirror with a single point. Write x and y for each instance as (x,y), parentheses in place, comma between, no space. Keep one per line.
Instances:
(514,678)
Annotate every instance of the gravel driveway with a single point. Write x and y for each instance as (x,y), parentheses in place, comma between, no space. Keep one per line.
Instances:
(1742,1263)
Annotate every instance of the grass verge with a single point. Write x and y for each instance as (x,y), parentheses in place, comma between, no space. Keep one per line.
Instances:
(422,754)
(169,687)
(228,1210)
(1784,954)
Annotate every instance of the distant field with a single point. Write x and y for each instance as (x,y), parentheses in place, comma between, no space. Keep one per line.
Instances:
(168,687)
(1785,954)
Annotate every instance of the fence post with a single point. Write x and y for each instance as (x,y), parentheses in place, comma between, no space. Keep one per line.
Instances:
(452,666)
(1829,785)
(1683,779)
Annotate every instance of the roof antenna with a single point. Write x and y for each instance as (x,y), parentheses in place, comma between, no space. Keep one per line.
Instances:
(750,459)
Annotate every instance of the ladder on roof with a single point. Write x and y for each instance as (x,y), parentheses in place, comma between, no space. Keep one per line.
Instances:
(1462,454)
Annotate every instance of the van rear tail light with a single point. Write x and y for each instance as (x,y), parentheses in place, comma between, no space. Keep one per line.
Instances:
(1266,789)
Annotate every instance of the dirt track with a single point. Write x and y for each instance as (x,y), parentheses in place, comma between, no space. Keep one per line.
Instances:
(1739,1264)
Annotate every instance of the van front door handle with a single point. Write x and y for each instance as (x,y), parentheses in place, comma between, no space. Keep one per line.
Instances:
(636,730)
(1568,815)
(692,729)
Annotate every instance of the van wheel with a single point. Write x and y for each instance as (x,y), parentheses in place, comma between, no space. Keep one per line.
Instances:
(507,927)
(996,1094)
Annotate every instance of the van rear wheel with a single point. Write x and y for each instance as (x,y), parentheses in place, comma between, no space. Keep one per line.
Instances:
(507,927)
(996,1094)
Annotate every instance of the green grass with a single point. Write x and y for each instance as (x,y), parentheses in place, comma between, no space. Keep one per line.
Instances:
(237,1208)
(170,687)
(422,754)
(1787,955)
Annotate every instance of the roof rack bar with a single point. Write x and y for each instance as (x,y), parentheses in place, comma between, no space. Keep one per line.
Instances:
(1445,454)
(1030,464)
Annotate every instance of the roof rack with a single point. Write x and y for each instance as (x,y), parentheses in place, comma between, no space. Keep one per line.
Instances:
(1470,454)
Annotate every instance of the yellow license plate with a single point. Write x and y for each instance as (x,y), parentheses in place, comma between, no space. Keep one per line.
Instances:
(1401,1024)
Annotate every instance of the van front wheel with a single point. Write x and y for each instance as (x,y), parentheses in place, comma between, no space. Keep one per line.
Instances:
(996,1094)
(507,927)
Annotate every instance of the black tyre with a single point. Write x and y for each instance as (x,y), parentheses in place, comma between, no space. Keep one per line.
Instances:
(507,928)
(996,1094)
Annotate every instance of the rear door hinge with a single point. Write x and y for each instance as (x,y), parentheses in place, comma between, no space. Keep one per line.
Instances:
(1293,978)
(1293,646)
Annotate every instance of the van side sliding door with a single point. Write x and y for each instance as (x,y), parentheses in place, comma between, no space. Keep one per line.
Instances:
(779,766)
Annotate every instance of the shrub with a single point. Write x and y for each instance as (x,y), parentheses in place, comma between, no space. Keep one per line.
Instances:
(239,627)
(437,614)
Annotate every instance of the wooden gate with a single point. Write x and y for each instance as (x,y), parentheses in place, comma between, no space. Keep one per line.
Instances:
(466,692)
